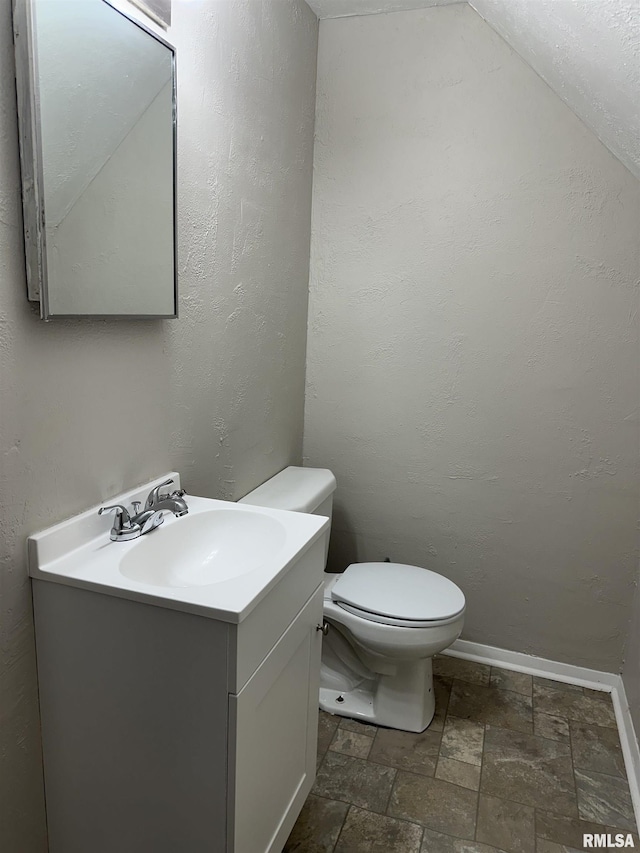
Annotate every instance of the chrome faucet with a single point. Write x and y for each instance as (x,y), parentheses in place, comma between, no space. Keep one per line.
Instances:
(128,526)
(173,502)
(148,520)
(123,527)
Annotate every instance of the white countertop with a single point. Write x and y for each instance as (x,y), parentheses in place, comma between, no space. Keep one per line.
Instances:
(79,552)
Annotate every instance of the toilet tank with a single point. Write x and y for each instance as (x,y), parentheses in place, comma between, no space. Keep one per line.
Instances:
(298,490)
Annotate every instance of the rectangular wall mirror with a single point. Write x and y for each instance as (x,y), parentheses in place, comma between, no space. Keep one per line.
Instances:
(96,105)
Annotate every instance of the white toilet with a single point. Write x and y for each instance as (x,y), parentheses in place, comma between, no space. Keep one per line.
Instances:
(386,620)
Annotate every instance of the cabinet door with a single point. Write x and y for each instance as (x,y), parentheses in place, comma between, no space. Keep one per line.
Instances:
(273,734)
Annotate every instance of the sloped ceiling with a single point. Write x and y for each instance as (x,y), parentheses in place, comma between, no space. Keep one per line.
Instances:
(588,51)
(348,8)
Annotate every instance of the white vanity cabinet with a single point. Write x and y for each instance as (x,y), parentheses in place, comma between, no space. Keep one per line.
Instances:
(274,730)
(167,731)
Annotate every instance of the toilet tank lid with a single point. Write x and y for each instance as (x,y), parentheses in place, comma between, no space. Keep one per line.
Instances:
(399,591)
(296,489)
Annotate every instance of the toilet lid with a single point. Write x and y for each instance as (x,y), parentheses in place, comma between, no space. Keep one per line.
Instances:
(399,591)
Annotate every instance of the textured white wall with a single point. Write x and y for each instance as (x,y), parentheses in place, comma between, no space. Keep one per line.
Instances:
(588,51)
(631,669)
(89,408)
(472,373)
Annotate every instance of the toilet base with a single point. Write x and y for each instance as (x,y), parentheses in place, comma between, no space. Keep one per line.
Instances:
(356,704)
(402,701)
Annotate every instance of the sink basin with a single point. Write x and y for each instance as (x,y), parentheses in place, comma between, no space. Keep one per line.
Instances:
(219,561)
(204,549)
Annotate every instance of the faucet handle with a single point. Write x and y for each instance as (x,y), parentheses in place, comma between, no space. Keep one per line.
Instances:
(122,515)
(122,519)
(122,529)
(153,494)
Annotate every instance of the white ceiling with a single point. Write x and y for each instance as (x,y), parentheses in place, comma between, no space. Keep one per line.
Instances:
(588,51)
(348,8)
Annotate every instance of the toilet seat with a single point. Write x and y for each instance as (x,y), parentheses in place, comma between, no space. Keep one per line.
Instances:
(395,642)
(398,594)
(399,623)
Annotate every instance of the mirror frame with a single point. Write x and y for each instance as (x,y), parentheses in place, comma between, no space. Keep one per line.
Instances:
(28,102)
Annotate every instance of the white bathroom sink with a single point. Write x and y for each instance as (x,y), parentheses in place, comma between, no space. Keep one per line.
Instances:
(203,549)
(218,561)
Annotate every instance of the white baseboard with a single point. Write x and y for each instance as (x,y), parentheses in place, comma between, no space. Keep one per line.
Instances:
(570,674)
(629,743)
(558,671)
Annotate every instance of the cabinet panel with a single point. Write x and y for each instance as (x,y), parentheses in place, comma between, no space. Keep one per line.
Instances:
(262,628)
(134,722)
(274,728)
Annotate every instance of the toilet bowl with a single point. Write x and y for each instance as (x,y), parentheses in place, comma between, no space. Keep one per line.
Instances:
(385,621)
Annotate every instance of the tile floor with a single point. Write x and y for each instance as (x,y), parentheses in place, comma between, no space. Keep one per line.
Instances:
(509,763)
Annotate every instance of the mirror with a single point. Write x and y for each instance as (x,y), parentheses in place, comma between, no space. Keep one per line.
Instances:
(96,104)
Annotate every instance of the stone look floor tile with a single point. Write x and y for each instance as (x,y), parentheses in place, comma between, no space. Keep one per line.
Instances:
(564,830)
(574,705)
(362,783)
(544,846)
(556,685)
(462,740)
(442,690)
(615,830)
(489,705)
(327,725)
(531,770)
(436,842)
(366,832)
(506,825)
(597,748)
(413,751)
(318,826)
(426,785)
(458,773)
(555,728)
(605,799)
(465,670)
(351,743)
(601,695)
(436,804)
(506,679)
(356,726)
